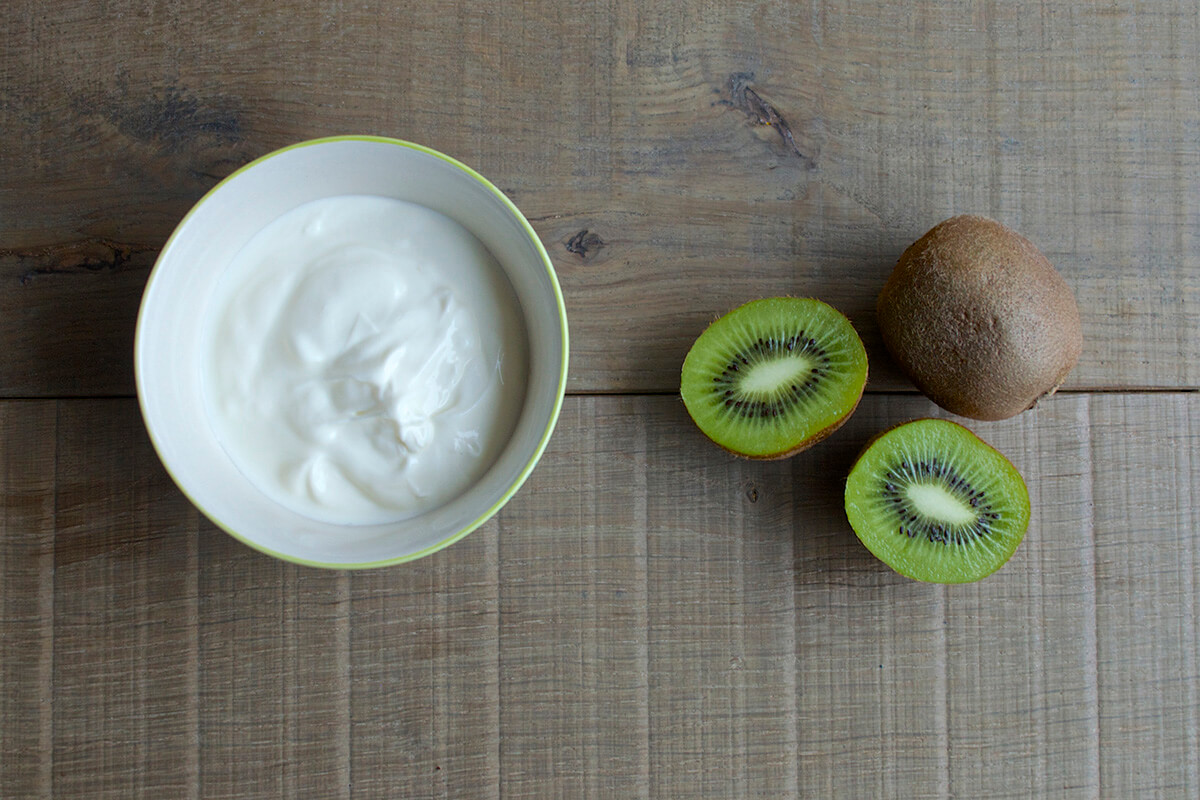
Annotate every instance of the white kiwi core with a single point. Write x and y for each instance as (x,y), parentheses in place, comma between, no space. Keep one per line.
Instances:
(936,503)
(768,376)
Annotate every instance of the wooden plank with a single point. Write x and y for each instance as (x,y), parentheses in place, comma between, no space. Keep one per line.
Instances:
(67,317)
(649,617)
(126,659)
(424,672)
(986,689)
(573,649)
(274,688)
(638,142)
(26,597)
(1145,462)
(721,622)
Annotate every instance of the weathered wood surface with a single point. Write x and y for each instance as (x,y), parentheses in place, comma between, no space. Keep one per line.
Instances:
(636,138)
(649,617)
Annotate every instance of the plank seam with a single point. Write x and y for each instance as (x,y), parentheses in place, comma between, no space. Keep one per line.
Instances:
(1098,390)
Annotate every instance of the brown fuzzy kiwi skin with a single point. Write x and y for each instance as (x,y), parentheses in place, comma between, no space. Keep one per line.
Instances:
(979,319)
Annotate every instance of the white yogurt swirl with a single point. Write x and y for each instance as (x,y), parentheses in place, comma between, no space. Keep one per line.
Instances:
(365,360)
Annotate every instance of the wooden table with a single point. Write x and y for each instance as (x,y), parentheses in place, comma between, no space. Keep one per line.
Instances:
(648,617)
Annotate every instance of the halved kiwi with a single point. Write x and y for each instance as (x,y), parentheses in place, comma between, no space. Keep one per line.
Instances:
(936,503)
(774,376)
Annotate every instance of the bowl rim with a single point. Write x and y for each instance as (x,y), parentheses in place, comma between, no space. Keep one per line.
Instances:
(560,389)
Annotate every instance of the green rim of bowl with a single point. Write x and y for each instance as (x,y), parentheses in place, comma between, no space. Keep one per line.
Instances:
(562,375)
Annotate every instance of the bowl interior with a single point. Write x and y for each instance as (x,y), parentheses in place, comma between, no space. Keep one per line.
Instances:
(174,314)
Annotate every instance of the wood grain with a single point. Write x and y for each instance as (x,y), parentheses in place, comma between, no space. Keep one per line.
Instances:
(126,662)
(722,627)
(274,686)
(649,617)
(575,715)
(424,676)
(1148,565)
(676,160)
(27,455)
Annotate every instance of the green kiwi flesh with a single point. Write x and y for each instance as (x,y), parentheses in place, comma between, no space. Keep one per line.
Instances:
(936,503)
(774,376)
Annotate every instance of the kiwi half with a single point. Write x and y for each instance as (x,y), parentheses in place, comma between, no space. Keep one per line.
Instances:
(936,503)
(774,376)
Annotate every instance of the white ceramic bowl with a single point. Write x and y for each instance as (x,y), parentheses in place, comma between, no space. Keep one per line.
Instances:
(173,315)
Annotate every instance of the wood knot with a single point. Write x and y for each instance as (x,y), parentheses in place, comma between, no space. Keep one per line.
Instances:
(584,243)
(73,258)
(745,98)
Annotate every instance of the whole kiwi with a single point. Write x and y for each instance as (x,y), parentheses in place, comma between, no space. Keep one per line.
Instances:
(979,319)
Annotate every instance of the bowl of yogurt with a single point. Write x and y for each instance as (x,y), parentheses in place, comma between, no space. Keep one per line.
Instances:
(351,352)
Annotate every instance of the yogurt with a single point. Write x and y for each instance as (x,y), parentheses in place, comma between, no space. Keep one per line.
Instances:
(365,360)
